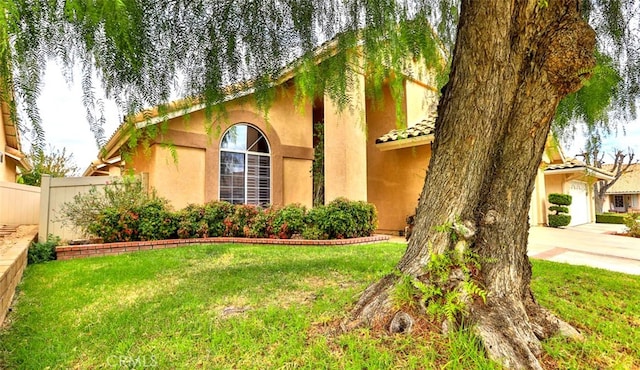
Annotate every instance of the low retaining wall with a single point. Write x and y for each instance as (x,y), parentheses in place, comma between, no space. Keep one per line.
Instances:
(13,260)
(107,249)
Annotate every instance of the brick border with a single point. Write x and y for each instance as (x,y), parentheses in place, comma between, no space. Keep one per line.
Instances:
(68,252)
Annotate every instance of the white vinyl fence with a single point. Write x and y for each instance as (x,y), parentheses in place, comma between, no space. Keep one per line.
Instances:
(19,204)
(55,191)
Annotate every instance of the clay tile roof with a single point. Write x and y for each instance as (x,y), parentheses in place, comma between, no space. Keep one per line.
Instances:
(423,128)
(571,163)
(578,165)
(628,183)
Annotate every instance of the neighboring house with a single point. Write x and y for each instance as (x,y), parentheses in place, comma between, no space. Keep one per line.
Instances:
(11,156)
(624,195)
(260,160)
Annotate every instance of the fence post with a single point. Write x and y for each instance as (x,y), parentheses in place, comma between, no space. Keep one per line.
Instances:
(144,179)
(45,191)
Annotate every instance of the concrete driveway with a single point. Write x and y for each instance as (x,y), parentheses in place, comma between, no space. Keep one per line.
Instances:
(590,245)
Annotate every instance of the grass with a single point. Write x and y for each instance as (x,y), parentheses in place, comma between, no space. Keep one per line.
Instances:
(168,308)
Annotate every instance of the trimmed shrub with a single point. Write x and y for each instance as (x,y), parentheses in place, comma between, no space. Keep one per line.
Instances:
(239,223)
(214,215)
(288,221)
(344,219)
(261,224)
(560,218)
(192,223)
(610,218)
(108,225)
(313,233)
(559,209)
(560,199)
(632,222)
(43,252)
(152,220)
(156,221)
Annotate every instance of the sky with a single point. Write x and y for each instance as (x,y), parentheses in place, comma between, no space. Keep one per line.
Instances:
(65,125)
(625,136)
(64,119)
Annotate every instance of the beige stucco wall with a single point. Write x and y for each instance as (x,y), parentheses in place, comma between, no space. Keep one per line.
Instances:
(8,171)
(419,101)
(553,184)
(181,182)
(298,183)
(194,177)
(537,208)
(394,178)
(345,137)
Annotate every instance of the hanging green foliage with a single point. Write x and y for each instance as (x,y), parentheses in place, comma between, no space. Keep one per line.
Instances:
(146,53)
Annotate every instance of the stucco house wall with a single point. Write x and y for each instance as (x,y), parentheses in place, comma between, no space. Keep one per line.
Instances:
(193,175)
(11,155)
(395,177)
(355,167)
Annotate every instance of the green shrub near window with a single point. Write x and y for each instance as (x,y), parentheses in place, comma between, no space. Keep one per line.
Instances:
(261,224)
(289,221)
(152,219)
(240,222)
(156,221)
(191,222)
(215,213)
(344,219)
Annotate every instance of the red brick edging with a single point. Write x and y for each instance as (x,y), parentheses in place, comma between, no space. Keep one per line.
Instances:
(68,252)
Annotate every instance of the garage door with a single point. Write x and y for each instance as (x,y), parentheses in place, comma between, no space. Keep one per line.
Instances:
(579,209)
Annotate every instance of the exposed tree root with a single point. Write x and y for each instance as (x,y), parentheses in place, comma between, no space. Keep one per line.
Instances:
(374,308)
(510,329)
(507,336)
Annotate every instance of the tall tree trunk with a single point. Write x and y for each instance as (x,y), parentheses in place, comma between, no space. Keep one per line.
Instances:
(599,195)
(512,64)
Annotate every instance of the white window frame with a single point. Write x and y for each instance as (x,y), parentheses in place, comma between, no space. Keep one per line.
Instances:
(246,153)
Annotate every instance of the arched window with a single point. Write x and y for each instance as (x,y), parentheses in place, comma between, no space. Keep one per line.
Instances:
(245,166)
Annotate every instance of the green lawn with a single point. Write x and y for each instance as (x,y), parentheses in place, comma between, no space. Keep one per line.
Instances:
(165,308)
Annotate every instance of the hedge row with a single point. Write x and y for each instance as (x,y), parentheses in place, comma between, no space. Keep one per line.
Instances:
(610,218)
(154,221)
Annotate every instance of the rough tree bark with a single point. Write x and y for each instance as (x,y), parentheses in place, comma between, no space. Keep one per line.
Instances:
(512,63)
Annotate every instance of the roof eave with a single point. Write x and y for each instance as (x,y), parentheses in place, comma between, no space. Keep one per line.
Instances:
(18,156)
(581,169)
(622,192)
(406,143)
